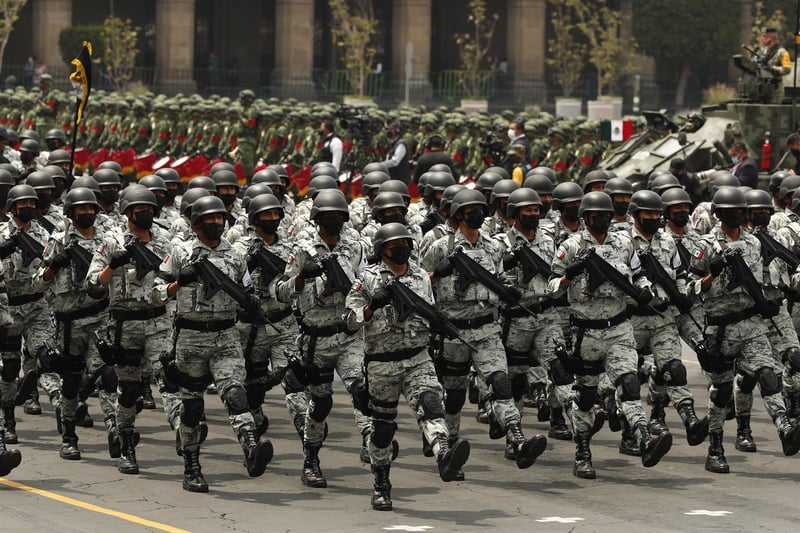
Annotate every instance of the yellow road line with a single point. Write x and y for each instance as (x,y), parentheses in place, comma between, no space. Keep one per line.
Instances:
(93,508)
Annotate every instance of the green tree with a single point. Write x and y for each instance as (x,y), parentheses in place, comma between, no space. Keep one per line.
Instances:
(9,13)
(683,35)
(566,53)
(355,27)
(473,48)
(71,39)
(119,41)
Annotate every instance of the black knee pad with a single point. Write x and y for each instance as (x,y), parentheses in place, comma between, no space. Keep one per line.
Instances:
(454,400)
(721,394)
(631,389)
(129,393)
(11,369)
(70,385)
(431,405)
(746,383)
(792,356)
(192,411)
(322,406)
(586,398)
(108,379)
(559,374)
(291,383)
(769,382)
(255,394)
(519,384)
(500,384)
(675,373)
(235,399)
(382,433)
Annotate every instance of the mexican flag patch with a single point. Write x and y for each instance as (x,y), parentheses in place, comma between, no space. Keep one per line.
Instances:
(697,253)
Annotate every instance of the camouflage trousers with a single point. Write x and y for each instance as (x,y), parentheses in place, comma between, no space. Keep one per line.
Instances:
(615,349)
(201,357)
(344,354)
(745,343)
(414,378)
(658,335)
(489,358)
(247,155)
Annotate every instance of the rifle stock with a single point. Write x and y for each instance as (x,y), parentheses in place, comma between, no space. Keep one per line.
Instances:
(335,278)
(81,258)
(771,249)
(144,259)
(270,264)
(600,271)
(29,247)
(531,263)
(743,276)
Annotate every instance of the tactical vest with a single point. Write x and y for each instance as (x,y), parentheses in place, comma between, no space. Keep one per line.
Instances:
(402,171)
(325,153)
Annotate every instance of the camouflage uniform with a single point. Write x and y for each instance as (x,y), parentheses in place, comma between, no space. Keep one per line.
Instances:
(702,220)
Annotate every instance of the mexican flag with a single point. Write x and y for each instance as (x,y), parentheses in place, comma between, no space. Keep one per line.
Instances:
(616,130)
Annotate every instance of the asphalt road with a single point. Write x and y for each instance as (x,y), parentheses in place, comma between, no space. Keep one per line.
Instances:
(46,493)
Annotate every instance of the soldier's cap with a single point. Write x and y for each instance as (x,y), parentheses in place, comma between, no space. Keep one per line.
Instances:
(515,149)
(769,29)
(677,164)
(247,93)
(46,77)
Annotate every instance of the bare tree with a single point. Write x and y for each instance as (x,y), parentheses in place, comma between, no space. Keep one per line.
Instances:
(9,13)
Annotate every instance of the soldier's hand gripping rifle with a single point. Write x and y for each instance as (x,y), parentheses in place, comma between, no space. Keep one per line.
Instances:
(470,271)
(80,257)
(144,259)
(742,275)
(531,263)
(270,264)
(407,302)
(656,273)
(771,249)
(29,247)
(335,278)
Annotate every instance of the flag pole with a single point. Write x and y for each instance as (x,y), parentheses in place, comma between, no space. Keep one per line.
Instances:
(82,83)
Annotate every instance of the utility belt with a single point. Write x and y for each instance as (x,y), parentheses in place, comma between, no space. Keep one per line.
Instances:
(400,355)
(324,331)
(123,315)
(274,317)
(23,299)
(77,314)
(599,324)
(537,308)
(471,323)
(652,310)
(731,318)
(199,325)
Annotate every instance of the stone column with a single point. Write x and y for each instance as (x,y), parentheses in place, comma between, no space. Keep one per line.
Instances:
(175,45)
(294,48)
(411,23)
(49,18)
(526,45)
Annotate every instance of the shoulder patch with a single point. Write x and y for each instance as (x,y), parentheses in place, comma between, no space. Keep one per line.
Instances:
(166,258)
(101,249)
(561,254)
(697,253)
(356,285)
(291,259)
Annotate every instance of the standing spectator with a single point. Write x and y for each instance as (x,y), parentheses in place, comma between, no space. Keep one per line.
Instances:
(38,69)
(28,71)
(744,166)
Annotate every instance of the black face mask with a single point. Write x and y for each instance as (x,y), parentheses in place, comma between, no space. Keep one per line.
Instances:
(269,226)
(4,195)
(600,224)
(399,255)
(59,190)
(474,219)
(227,199)
(650,225)
(212,230)
(546,207)
(398,217)
(279,192)
(26,158)
(332,226)
(529,222)
(26,214)
(680,219)
(761,219)
(109,197)
(160,201)
(143,220)
(44,201)
(570,214)
(732,219)
(85,221)
(171,194)
(621,208)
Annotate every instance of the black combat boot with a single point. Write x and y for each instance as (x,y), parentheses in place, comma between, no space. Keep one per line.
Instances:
(10,423)
(25,387)
(114,444)
(614,417)
(382,490)
(202,427)
(451,459)
(789,434)
(583,456)
(312,474)
(193,479)
(793,405)
(744,436)
(558,426)
(127,458)
(653,447)
(148,402)
(257,453)
(69,442)
(527,450)
(262,423)
(55,401)
(32,405)
(715,460)
(628,444)
(459,472)
(600,416)
(427,449)
(511,451)
(9,459)
(542,407)
(696,429)
(496,430)
(657,424)
(82,417)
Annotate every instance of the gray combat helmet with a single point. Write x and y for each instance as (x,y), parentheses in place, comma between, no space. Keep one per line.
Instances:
(375,166)
(391,231)
(80,196)
(396,186)
(372,181)
(58,157)
(19,192)
(153,182)
(438,181)
(254,190)
(225,178)
(222,165)
(501,171)
(319,184)
(261,203)
(441,167)
(106,176)
(521,198)
(207,205)
(672,197)
(502,189)
(40,180)
(618,186)
(169,175)
(488,180)
(190,197)
(728,198)
(543,171)
(387,200)
(268,177)
(325,171)
(722,178)
(595,201)
(645,200)
(448,195)
(592,177)
(202,182)
(466,198)
(664,182)
(6,178)
(329,200)
(757,198)
(539,183)
(566,192)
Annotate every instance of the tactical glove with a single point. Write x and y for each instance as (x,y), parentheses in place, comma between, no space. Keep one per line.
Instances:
(574,269)
(509,261)
(7,248)
(188,274)
(380,298)
(311,271)
(119,258)
(60,260)
(644,298)
(716,267)
(443,270)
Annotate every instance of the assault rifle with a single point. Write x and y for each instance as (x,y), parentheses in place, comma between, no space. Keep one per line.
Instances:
(270,264)
(742,275)
(214,280)
(407,303)
(771,249)
(656,273)
(432,219)
(531,263)
(46,224)
(143,258)
(80,257)
(29,247)
(335,278)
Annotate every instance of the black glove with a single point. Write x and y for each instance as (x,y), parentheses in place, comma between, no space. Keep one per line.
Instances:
(380,298)
(644,297)
(60,260)
(253,306)
(7,248)
(509,261)
(683,303)
(188,274)
(769,309)
(311,270)
(443,270)
(252,262)
(574,269)
(515,294)
(119,258)
(716,267)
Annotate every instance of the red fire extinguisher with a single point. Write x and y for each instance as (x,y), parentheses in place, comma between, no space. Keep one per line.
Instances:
(766,153)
